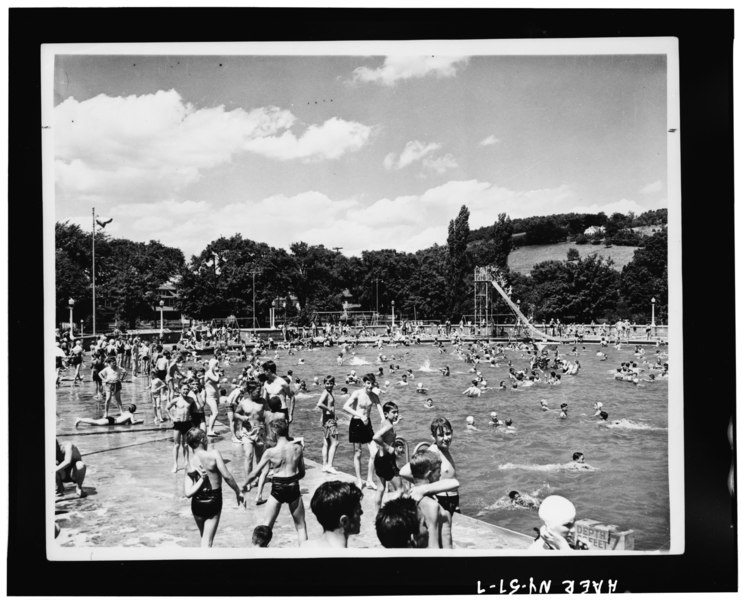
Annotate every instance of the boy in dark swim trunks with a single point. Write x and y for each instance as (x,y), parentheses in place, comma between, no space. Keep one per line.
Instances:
(385,461)
(286,459)
(360,431)
(125,417)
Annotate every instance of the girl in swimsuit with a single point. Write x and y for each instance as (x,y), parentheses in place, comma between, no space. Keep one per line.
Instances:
(203,485)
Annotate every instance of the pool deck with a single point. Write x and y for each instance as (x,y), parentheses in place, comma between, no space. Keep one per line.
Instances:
(134,501)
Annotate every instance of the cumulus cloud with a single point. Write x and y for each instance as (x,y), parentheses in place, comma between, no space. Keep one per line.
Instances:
(397,68)
(406,223)
(412,152)
(439,164)
(622,206)
(490,140)
(155,145)
(420,152)
(652,188)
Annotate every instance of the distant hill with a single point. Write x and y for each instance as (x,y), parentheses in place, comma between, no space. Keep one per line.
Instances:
(523,259)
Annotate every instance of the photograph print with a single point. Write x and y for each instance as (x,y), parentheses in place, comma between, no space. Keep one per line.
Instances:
(320,299)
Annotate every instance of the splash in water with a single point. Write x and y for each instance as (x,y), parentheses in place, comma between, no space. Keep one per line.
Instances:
(527,501)
(358,361)
(552,468)
(425,367)
(627,424)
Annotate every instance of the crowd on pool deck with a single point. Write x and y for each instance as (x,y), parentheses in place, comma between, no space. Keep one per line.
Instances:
(415,502)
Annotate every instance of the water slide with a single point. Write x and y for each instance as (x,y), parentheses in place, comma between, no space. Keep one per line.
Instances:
(535,333)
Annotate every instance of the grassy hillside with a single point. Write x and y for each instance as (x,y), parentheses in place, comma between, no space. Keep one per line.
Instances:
(523,259)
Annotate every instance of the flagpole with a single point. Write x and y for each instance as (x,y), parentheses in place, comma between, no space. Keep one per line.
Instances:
(94,271)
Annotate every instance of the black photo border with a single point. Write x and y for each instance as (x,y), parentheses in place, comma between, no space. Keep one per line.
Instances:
(709,563)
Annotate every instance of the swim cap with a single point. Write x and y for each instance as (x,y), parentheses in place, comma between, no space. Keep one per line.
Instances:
(470,419)
(556,510)
(493,414)
(212,363)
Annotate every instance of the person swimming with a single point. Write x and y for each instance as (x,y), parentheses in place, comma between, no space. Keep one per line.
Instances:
(473,390)
(470,424)
(519,500)
(494,421)
(429,403)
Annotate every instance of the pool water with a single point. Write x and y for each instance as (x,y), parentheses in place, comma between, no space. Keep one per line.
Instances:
(627,487)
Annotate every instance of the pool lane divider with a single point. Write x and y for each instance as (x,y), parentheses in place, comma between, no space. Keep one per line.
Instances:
(126,446)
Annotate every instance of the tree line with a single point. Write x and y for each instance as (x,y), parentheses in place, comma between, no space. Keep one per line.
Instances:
(435,283)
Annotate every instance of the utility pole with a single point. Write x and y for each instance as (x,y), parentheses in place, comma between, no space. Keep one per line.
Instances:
(94,271)
(253,273)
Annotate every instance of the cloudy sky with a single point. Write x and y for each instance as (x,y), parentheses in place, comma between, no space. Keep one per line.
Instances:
(361,152)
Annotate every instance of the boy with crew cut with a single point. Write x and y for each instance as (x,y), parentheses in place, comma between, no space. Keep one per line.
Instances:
(385,461)
(337,506)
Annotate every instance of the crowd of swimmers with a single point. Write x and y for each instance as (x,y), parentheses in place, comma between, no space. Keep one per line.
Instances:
(415,500)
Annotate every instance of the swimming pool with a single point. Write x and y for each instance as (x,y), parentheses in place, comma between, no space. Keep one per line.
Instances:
(628,486)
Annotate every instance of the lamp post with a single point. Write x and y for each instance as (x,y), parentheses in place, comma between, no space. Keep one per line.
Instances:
(273,314)
(392,316)
(377,295)
(654,327)
(93,270)
(162,324)
(253,273)
(82,331)
(71,303)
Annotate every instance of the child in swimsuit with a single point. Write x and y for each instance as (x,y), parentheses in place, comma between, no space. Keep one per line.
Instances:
(203,485)
(329,425)
(286,459)
(385,461)
(180,413)
(125,417)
